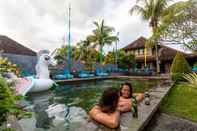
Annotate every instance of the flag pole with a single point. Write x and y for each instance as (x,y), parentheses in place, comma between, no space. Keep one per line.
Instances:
(69,39)
(117,51)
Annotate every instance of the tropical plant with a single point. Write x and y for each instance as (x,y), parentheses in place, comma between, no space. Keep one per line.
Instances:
(130,60)
(6,66)
(90,58)
(125,61)
(102,35)
(179,66)
(8,129)
(155,11)
(8,101)
(182,29)
(62,54)
(87,54)
(83,45)
(110,58)
(195,64)
(191,80)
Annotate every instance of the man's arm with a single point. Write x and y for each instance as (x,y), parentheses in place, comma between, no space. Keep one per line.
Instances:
(109,120)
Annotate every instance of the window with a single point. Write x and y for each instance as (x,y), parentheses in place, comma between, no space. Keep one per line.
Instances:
(132,51)
(141,51)
(136,52)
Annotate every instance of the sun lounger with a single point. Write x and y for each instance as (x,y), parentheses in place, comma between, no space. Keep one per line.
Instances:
(66,75)
(84,74)
(100,72)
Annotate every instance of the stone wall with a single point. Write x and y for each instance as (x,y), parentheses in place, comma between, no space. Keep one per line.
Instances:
(27,63)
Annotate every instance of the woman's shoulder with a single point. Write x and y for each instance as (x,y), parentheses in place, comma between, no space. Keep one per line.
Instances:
(122,98)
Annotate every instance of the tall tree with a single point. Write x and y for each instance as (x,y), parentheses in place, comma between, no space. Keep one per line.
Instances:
(102,35)
(182,30)
(154,11)
(125,60)
(62,54)
(83,45)
(110,58)
(88,55)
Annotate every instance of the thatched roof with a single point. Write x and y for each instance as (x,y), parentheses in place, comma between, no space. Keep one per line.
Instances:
(10,46)
(165,53)
(168,53)
(139,43)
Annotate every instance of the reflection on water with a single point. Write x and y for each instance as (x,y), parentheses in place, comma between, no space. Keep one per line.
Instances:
(65,108)
(41,102)
(51,116)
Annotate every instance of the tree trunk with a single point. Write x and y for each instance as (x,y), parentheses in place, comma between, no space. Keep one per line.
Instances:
(101,54)
(157,58)
(156,50)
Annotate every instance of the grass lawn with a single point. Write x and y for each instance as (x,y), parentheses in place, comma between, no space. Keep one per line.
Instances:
(181,101)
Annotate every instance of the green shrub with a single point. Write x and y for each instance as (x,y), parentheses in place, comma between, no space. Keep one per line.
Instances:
(195,64)
(8,101)
(7,66)
(191,80)
(8,129)
(179,66)
(125,60)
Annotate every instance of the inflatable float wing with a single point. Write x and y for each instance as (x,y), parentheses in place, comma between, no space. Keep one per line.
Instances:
(24,85)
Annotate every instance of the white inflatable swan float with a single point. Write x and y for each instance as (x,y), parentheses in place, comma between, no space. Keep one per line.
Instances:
(42,81)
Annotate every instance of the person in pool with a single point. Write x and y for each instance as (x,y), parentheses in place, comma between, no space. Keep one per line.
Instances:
(126,93)
(106,111)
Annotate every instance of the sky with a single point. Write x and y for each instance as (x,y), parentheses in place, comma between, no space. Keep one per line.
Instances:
(43,24)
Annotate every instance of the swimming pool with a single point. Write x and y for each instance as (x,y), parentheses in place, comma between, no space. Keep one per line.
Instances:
(72,102)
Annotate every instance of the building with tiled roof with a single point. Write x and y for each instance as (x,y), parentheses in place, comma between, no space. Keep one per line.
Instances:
(18,54)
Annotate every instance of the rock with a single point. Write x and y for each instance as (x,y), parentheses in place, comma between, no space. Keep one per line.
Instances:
(12,122)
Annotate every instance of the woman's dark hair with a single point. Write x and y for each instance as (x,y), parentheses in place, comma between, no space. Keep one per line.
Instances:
(109,100)
(130,88)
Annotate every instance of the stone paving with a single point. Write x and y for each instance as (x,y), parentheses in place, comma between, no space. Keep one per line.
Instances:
(112,77)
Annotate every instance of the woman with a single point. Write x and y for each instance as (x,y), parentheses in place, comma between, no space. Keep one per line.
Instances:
(106,111)
(126,93)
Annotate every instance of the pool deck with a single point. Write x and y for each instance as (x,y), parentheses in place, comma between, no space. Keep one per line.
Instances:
(145,113)
(113,77)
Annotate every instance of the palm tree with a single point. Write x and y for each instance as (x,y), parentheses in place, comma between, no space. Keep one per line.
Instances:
(62,54)
(83,45)
(191,79)
(101,36)
(153,11)
(87,54)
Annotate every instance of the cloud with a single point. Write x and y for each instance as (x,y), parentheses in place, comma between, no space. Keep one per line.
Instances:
(42,24)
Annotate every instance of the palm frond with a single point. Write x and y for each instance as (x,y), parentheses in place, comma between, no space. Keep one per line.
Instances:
(191,80)
(96,24)
(160,6)
(137,9)
(177,7)
(144,1)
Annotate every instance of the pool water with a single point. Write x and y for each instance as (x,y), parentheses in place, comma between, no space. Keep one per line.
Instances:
(73,103)
(85,95)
